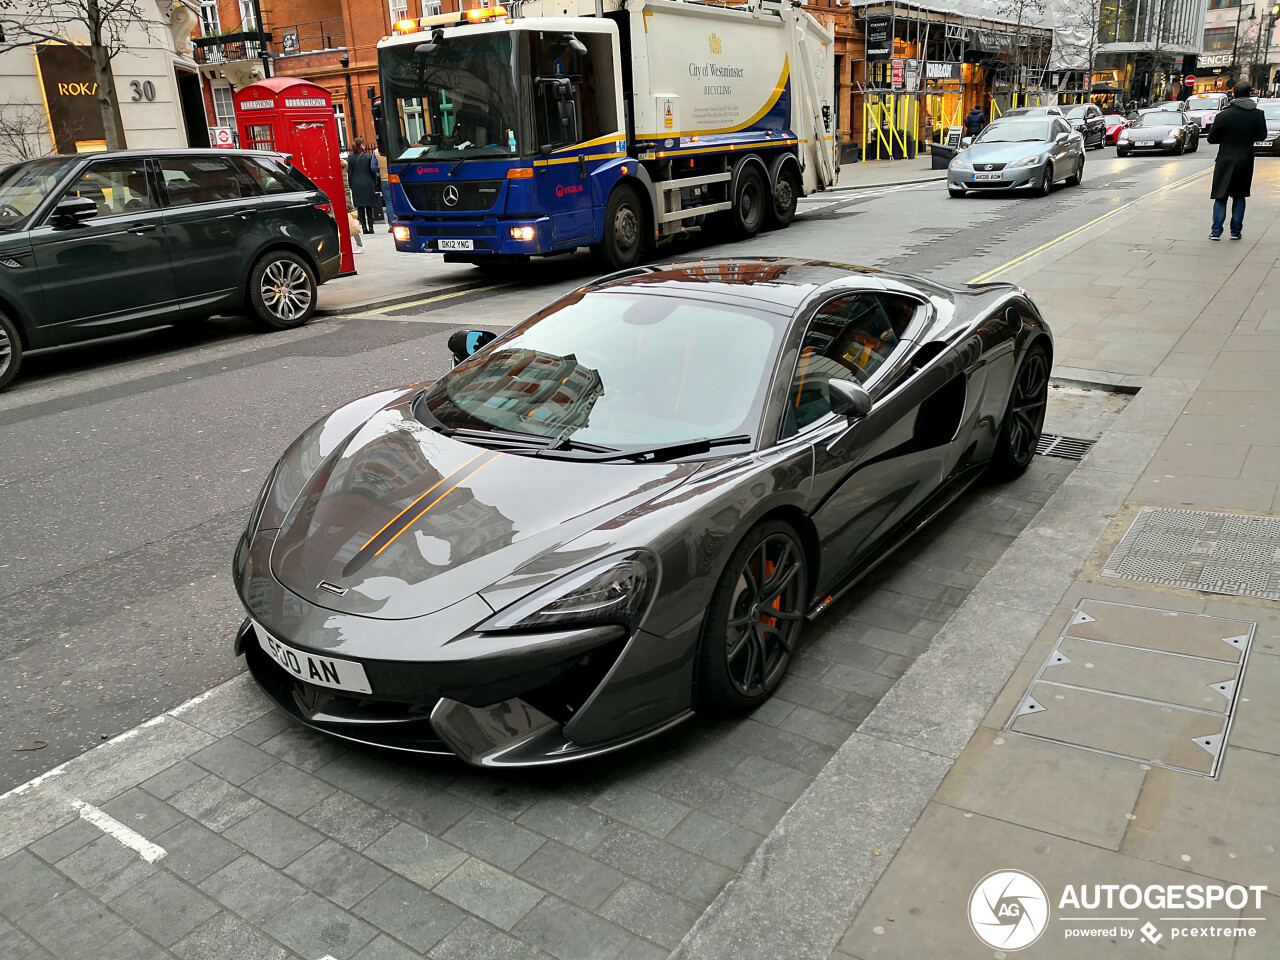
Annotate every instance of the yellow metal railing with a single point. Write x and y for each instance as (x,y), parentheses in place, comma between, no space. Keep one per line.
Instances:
(887,125)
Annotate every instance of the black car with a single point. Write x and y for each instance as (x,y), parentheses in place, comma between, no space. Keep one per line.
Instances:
(1271,145)
(1087,119)
(624,508)
(105,243)
(1164,131)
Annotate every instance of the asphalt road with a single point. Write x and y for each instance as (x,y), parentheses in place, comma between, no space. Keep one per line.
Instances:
(129,467)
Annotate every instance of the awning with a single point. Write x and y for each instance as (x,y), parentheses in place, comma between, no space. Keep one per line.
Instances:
(1104,88)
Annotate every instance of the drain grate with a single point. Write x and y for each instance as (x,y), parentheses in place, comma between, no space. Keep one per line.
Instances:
(1228,553)
(1068,448)
(1140,683)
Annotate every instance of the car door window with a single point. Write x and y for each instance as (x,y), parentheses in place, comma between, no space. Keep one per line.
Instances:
(118,187)
(267,179)
(849,338)
(204,179)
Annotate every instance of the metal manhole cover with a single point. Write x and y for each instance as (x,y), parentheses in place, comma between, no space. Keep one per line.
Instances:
(1068,448)
(1139,683)
(1228,553)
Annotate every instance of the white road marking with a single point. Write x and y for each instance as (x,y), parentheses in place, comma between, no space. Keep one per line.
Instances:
(113,828)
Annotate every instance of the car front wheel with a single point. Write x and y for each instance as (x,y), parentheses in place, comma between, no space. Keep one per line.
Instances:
(1046,181)
(282,291)
(754,620)
(10,351)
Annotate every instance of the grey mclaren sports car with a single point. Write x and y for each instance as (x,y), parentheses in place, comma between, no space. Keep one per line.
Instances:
(625,508)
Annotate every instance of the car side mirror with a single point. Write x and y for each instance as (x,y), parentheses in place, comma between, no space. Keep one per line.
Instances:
(965,141)
(1062,138)
(848,399)
(464,343)
(71,211)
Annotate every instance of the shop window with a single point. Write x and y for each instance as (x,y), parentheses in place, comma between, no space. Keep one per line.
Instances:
(191,180)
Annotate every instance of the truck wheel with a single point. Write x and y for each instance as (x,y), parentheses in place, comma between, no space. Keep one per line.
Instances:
(786,193)
(623,231)
(10,351)
(749,203)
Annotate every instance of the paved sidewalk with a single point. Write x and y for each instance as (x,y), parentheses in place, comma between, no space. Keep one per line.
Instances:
(385,276)
(1068,720)
(883,173)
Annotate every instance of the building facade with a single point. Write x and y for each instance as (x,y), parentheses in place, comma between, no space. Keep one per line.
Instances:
(1239,43)
(48,100)
(1146,48)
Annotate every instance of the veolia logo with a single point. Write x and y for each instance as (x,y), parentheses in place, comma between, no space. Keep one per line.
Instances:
(422,170)
(1008,910)
(561,190)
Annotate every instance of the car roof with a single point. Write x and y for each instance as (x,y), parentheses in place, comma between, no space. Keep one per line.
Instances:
(171,152)
(777,283)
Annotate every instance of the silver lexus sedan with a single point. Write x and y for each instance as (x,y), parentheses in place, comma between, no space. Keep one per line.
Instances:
(1027,152)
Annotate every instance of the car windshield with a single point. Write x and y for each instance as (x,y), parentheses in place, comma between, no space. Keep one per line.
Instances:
(24,185)
(452,99)
(1204,102)
(1016,131)
(1113,119)
(618,368)
(1077,113)
(1272,112)
(1160,120)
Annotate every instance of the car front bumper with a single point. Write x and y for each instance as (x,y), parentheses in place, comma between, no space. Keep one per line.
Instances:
(438,686)
(1158,147)
(1010,178)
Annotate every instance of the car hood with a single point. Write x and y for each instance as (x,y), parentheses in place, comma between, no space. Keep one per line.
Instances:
(1152,133)
(399,521)
(1002,152)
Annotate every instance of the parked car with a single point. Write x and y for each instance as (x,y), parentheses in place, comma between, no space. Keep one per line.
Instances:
(1167,131)
(1205,107)
(1115,123)
(1028,152)
(625,508)
(103,243)
(1271,145)
(1086,119)
(1045,111)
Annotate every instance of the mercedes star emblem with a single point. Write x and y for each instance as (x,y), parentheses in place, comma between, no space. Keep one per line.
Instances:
(451,195)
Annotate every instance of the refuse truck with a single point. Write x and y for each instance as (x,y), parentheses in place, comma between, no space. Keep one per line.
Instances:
(535,129)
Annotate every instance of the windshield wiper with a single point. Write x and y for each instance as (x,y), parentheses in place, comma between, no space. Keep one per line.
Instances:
(669,451)
(533,442)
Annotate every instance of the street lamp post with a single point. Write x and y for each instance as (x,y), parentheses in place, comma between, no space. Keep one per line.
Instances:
(345,62)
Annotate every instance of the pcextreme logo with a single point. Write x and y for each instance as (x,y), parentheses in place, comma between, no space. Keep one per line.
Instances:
(561,190)
(1008,910)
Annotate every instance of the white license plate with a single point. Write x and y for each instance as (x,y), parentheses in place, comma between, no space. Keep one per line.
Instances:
(1262,143)
(455,244)
(988,176)
(312,668)
(1145,143)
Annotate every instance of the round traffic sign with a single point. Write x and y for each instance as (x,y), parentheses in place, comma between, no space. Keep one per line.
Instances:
(1190,80)
(222,137)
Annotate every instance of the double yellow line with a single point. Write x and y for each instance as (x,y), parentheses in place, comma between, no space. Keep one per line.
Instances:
(419,303)
(992,274)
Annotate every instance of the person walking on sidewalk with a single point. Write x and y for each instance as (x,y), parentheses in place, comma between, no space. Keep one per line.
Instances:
(363,178)
(974,121)
(1237,128)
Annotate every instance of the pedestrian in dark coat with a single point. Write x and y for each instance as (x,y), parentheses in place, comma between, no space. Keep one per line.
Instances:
(974,121)
(1236,129)
(362,176)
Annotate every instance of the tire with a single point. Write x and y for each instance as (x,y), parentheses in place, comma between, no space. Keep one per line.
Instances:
(1182,148)
(1023,417)
(282,291)
(1074,179)
(10,351)
(750,202)
(744,653)
(957,194)
(623,240)
(1046,183)
(786,194)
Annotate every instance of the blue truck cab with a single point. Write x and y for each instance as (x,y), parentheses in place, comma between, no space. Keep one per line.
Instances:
(509,137)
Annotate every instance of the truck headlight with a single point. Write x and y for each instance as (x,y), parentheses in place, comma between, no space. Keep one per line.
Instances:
(400,233)
(522,233)
(616,589)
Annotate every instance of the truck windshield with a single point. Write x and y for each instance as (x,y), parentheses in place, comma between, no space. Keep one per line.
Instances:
(454,99)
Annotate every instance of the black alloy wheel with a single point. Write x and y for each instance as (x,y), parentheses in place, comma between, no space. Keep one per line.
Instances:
(1046,184)
(754,619)
(10,351)
(1023,417)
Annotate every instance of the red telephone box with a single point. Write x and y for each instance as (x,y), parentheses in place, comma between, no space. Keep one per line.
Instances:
(295,116)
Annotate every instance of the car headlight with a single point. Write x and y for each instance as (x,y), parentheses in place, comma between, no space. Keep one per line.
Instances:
(1030,161)
(1173,139)
(616,589)
(959,163)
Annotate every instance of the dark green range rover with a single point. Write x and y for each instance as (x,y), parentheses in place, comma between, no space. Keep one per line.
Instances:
(99,244)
